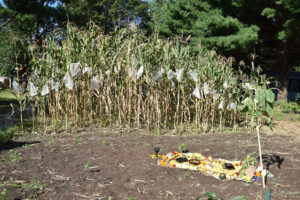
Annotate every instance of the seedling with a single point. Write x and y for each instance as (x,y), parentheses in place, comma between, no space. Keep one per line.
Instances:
(78,140)
(181,147)
(105,143)
(88,165)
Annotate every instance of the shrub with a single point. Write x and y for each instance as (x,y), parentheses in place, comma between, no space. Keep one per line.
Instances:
(7,135)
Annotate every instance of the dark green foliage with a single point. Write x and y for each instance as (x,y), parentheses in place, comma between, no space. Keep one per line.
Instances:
(208,25)
(279,35)
(13,48)
(7,135)
(237,27)
(29,22)
(107,13)
(156,13)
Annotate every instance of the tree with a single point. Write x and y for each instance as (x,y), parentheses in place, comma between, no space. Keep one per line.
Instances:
(279,22)
(13,49)
(156,13)
(207,24)
(23,22)
(33,17)
(236,27)
(107,13)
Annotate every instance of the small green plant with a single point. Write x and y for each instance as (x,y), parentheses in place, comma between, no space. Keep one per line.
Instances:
(78,140)
(49,143)
(248,161)
(181,147)
(146,145)
(105,143)
(3,195)
(34,185)
(212,196)
(28,146)
(88,165)
(14,156)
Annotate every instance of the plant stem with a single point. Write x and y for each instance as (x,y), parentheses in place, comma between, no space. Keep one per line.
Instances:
(21,112)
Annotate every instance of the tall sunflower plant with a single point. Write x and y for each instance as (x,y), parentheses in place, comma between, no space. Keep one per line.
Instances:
(259,104)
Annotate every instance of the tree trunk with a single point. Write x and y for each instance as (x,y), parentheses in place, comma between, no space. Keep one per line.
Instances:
(283,90)
(284,71)
(283,83)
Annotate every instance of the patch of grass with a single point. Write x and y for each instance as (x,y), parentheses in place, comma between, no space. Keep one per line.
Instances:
(14,156)
(3,194)
(28,146)
(34,184)
(293,193)
(146,145)
(212,196)
(88,165)
(105,143)
(7,94)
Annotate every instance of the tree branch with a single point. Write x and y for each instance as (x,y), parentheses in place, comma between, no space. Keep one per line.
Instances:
(9,20)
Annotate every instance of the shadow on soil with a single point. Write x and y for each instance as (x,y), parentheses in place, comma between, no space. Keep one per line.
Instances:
(13,144)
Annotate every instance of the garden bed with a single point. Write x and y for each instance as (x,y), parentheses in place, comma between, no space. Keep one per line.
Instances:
(99,164)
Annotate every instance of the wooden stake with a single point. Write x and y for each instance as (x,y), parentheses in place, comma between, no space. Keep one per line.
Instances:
(260,156)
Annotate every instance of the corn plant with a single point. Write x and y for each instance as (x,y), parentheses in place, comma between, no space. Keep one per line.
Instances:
(18,91)
(84,77)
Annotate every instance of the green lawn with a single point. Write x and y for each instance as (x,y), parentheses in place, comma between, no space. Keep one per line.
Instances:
(7,95)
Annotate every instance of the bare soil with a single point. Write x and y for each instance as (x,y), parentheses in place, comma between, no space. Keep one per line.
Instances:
(111,164)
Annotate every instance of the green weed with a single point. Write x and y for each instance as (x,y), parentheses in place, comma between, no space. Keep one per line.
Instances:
(28,146)
(78,140)
(181,147)
(88,165)
(14,156)
(212,196)
(105,143)
(3,194)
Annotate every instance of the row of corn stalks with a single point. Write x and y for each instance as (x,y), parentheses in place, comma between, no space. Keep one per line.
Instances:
(127,79)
